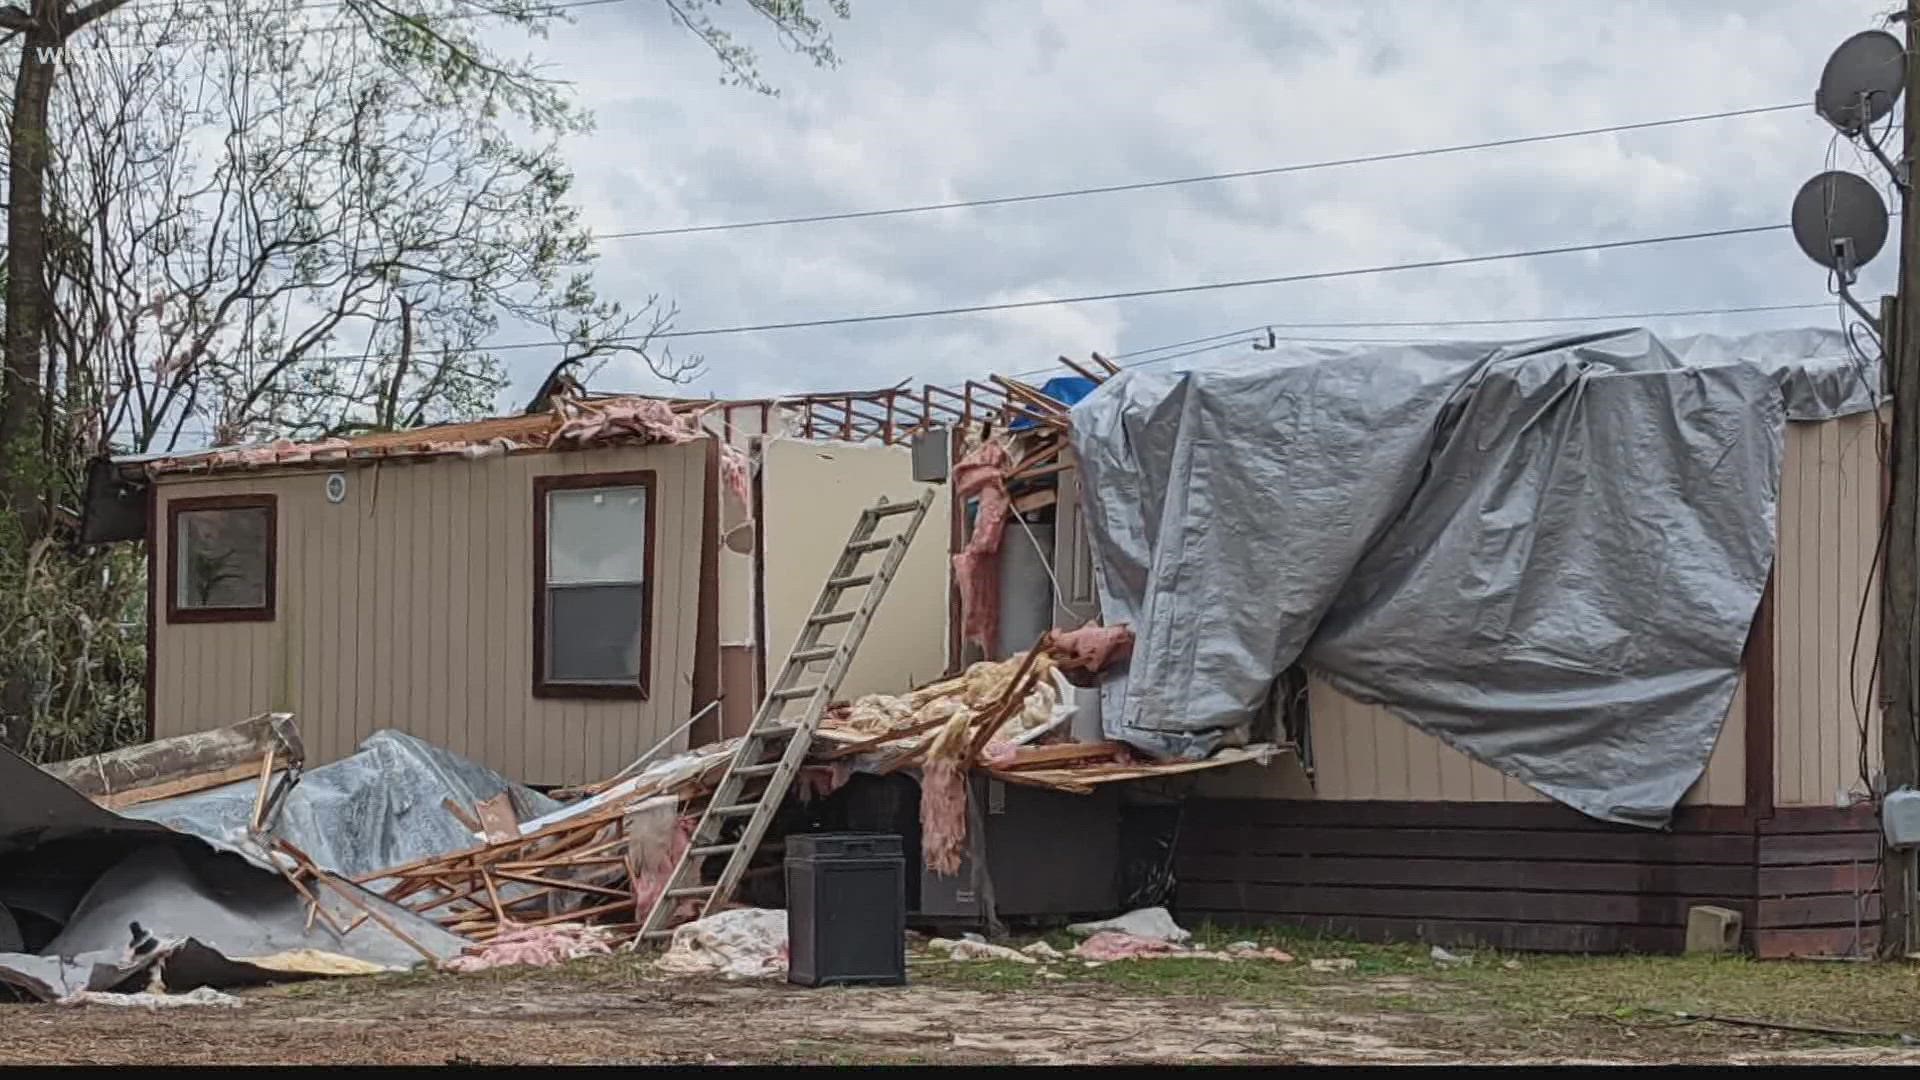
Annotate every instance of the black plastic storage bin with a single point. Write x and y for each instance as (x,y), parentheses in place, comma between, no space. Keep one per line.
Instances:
(846,909)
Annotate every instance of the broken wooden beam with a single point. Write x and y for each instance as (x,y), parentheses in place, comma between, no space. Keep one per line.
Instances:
(181,765)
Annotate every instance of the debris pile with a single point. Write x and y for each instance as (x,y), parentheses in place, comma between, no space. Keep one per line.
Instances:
(405,853)
(603,859)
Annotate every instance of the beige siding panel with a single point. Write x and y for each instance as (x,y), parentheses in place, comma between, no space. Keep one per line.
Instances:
(518,627)
(1392,755)
(1788,620)
(812,494)
(1367,752)
(363,531)
(455,639)
(1831,495)
(409,605)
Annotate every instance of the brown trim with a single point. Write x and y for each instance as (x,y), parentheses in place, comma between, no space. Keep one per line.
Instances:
(262,613)
(1758,666)
(706,632)
(542,485)
(151,676)
(757,453)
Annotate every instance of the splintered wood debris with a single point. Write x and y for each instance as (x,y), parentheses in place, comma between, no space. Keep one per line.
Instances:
(603,858)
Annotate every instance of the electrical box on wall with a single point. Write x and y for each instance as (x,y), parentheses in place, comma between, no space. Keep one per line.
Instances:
(932,451)
(1900,818)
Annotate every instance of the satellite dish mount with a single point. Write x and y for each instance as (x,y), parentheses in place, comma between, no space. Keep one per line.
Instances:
(1861,83)
(1840,222)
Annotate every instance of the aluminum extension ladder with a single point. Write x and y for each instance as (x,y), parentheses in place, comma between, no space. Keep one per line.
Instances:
(775,730)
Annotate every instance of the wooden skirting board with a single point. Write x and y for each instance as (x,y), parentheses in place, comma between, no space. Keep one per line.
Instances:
(1531,876)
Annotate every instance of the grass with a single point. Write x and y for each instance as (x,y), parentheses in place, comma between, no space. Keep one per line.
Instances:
(1524,991)
(1512,1004)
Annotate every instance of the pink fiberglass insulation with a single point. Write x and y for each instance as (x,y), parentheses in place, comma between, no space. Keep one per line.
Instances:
(533,946)
(943,815)
(1113,945)
(573,423)
(943,795)
(819,781)
(982,474)
(586,422)
(1090,648)
(589,422)
(653,877)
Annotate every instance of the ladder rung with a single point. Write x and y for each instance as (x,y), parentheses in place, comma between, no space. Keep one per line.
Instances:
(802,656)
(864,546)
(734,811)
(795,692)
(758,770)
(650,934)
(691,890)
(712,849)
(850,581)
(834,617)
(773,731)
(895,508)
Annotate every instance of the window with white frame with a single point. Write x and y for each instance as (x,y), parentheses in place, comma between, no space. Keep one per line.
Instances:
(592,632)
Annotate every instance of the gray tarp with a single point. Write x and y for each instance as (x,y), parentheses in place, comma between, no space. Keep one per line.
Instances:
(380,807)
(1547,554)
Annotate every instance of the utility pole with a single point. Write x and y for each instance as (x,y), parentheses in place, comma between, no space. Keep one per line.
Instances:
(1900,592)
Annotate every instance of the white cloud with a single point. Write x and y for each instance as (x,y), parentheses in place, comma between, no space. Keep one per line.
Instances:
(955,101)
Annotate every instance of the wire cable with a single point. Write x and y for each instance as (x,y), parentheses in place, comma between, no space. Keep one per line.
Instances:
(1208,178)
(1212,286)
(1613,316)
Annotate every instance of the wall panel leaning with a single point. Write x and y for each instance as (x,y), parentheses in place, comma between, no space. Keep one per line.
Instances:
(811,495)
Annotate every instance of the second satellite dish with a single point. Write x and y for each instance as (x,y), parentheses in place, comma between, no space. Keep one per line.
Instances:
(1861,81)
(1836,214)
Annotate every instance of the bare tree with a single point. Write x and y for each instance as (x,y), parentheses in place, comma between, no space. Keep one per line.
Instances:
(240,219)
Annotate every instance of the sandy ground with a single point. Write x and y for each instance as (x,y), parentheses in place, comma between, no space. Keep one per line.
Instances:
(549,1020)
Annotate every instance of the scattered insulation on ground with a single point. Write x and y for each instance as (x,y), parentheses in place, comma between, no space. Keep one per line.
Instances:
(536,946)
(743,943)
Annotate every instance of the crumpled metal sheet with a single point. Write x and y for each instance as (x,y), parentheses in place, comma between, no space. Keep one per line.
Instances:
(1545,553)
(208,894)
(215,920)
(380,807)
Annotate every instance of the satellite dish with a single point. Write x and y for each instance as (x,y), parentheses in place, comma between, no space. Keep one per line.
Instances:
(1861,81)
(1840,221)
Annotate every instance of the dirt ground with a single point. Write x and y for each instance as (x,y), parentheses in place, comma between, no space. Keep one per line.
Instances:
(1391,1006)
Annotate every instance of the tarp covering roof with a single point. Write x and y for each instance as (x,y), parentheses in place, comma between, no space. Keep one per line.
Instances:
(1547,553)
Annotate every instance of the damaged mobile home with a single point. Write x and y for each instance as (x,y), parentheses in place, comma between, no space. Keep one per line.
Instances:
(1538,645)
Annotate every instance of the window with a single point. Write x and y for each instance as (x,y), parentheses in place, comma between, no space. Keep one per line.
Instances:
(221,562)
(593,538)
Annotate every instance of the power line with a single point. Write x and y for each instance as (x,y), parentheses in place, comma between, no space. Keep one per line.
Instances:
(1414,323)
(1367,159)
(1428,264)
(1242,283)
(1246,335)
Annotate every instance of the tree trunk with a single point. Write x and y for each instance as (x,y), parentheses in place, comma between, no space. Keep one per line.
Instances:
(26,314)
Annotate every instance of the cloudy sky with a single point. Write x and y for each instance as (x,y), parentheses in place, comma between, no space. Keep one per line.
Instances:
(945,101)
